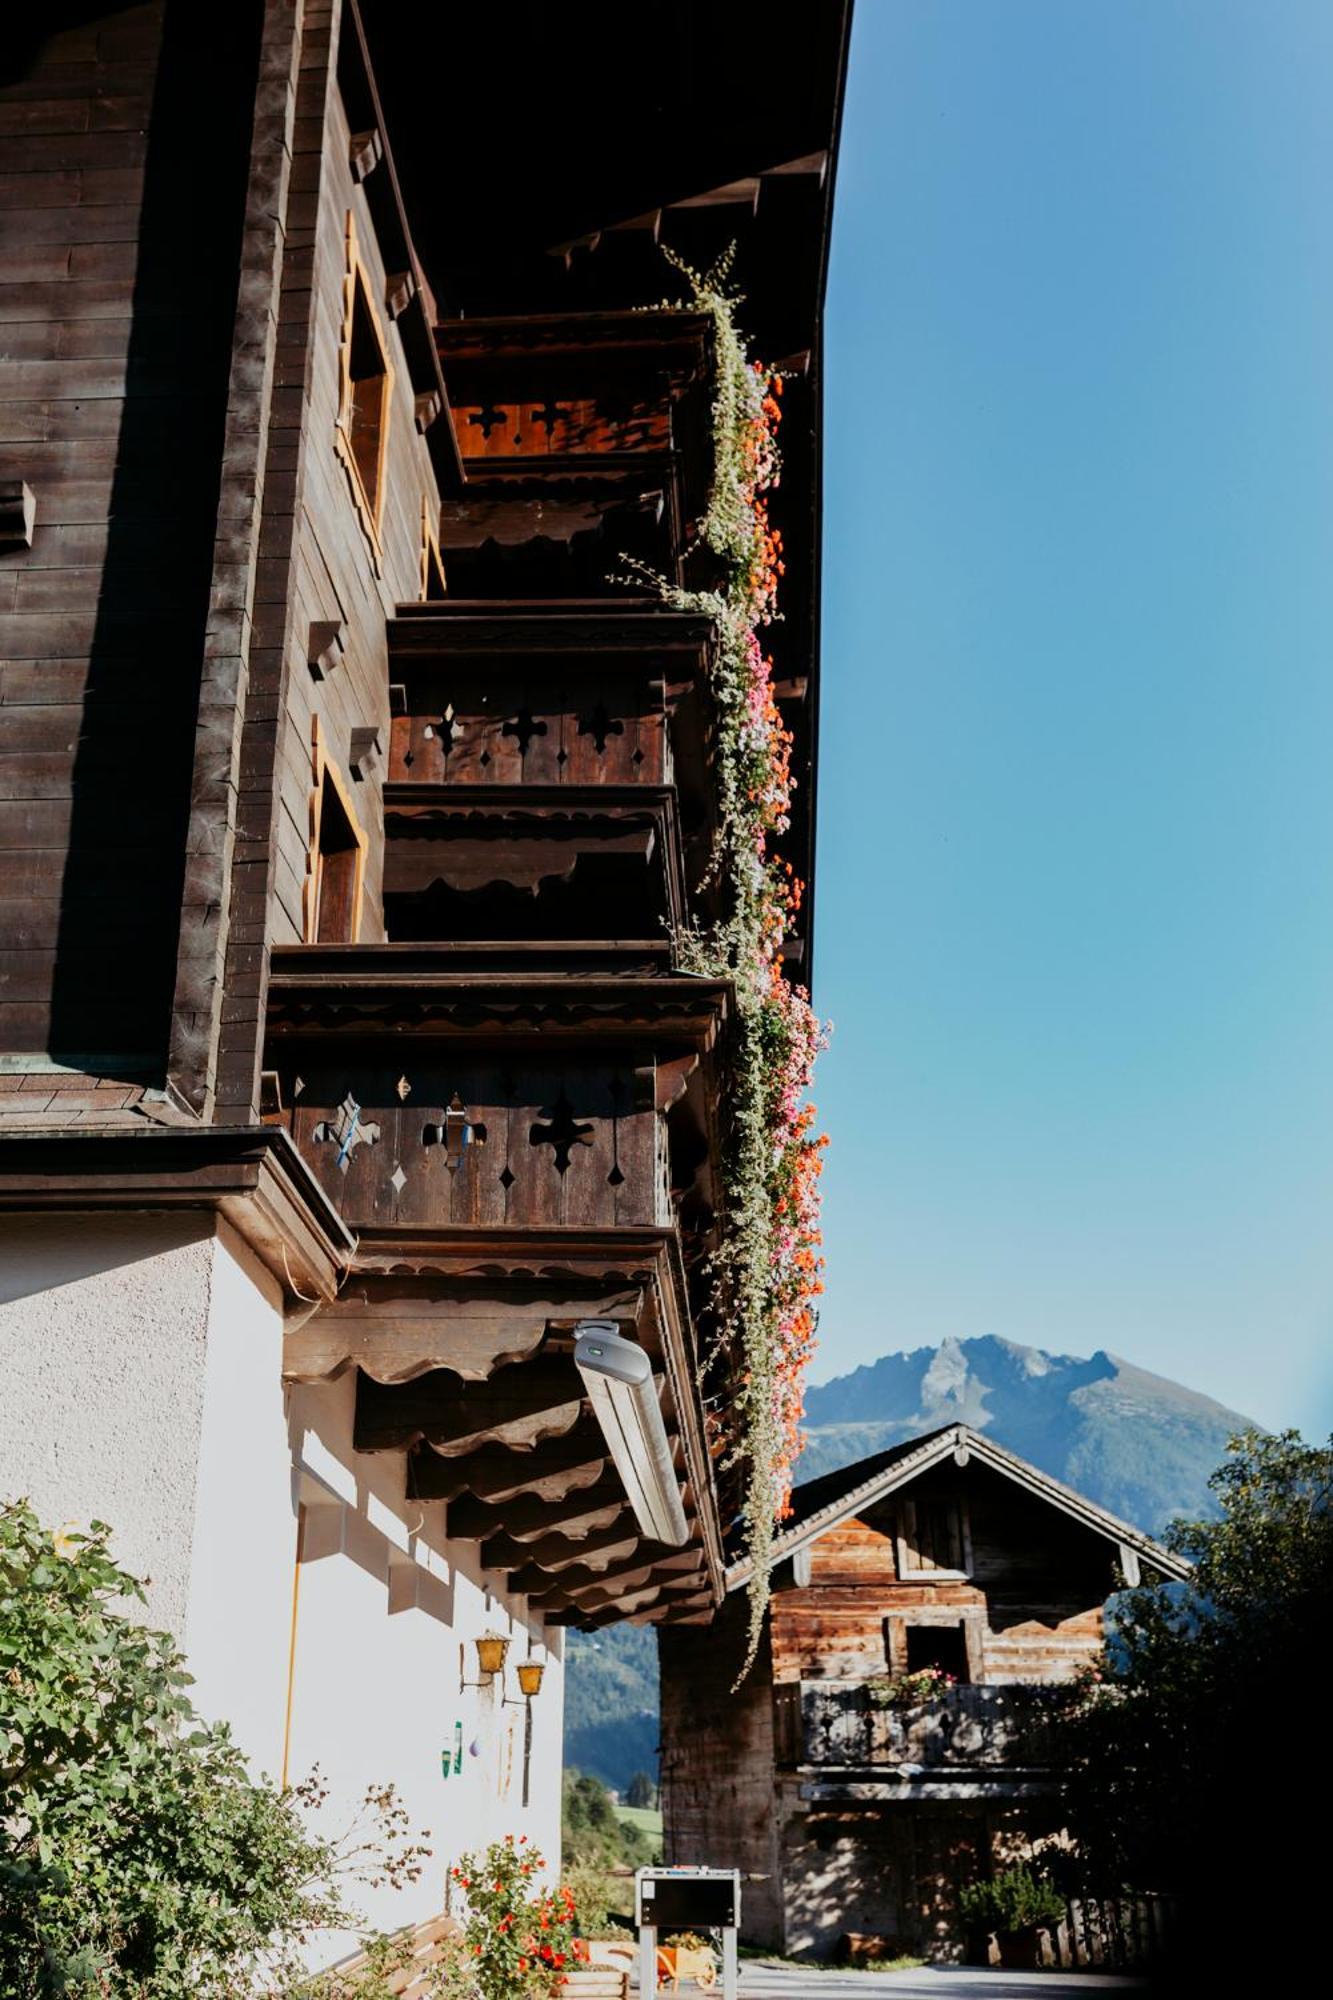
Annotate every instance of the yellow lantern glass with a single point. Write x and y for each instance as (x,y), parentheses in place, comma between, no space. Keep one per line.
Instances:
(530,1677)
(491,1650)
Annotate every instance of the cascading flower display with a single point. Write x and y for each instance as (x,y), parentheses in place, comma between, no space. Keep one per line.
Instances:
(767,1269)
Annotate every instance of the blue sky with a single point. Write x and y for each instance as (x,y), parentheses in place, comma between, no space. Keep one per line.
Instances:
(1075,897)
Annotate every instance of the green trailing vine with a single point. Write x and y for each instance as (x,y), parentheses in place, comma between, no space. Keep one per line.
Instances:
(766,1271)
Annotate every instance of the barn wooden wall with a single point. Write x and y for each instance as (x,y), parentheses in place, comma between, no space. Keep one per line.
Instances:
(1036,1585)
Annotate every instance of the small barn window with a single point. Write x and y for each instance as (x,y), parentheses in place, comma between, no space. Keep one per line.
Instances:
(367,389)
(932,1536)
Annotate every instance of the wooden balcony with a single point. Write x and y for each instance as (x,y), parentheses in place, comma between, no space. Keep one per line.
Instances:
(586,438)
(514,1135)
(836,1724)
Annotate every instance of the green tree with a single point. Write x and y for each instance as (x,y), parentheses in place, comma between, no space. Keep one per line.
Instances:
(137,1856)
(642,1791)
(1196,1747)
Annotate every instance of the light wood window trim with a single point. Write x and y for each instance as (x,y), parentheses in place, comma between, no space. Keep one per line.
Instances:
(430,550)
(324,768)
(369,510)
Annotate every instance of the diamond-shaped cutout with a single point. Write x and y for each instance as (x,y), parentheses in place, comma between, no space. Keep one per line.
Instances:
(397,1180)
(615,1178)
(485,757)
(637,758)
(562,756)
(506,1179)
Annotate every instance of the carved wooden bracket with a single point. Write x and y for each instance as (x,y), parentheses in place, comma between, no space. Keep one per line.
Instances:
(427,408)
(18,512)
(400,288)
(325,647)
(365,152)
(364,752)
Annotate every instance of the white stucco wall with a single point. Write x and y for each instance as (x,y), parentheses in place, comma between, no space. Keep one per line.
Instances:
(103,1332)
(142,1367)
(387,1613)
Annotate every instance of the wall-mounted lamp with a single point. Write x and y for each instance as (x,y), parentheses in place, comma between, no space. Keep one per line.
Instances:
(491,1650)
(623,1392)
(530,1683)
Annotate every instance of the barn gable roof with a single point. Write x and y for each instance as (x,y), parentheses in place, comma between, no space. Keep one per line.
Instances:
(839,1496)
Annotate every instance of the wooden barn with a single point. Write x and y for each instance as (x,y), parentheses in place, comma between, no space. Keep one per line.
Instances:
(895,1737)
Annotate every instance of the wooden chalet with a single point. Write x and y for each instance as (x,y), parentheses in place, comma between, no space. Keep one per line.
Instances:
(349,801)
(856,1806)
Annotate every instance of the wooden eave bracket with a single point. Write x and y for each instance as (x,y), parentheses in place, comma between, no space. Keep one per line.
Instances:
(408,298)
(364,751)
(325,647)
(365,151)
(18,514)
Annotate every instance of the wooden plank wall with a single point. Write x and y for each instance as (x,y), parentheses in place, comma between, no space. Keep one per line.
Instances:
(121,195)
(1037,1583)
(317,566)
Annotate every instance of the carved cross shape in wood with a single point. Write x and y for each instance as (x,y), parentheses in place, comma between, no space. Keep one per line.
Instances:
(524,726)
(563,1132)
(487,418)
(346,1131)
(599,725)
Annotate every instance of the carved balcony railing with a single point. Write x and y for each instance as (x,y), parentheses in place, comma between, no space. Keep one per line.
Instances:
(586,438)
(549,770)
(837,1723)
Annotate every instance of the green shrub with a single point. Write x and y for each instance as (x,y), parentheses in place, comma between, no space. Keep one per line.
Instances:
(138,1858)
(1015,1900)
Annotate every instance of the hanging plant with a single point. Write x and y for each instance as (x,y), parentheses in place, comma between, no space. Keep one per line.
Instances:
(766,1271)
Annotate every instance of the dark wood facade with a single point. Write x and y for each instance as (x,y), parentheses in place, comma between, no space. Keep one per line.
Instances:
(856,1812)
(348,800)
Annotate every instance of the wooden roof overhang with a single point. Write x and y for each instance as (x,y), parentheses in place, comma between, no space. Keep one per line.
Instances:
(255,1179)
(463,1343)
(462,1335)
(862,1485)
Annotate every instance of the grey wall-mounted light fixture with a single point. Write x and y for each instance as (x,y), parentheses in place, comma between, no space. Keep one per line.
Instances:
(623,1392)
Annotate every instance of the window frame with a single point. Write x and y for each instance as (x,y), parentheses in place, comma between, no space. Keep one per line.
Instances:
(431,557)
(357,286)
(325,771)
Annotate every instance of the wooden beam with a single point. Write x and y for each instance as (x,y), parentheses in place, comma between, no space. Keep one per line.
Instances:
(559,1466)
(528,1518)
(557,1552)
(517,1407)
(400,1330)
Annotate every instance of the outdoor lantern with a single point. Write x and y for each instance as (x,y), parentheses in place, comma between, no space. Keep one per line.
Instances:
(491,1650)
(530,1677)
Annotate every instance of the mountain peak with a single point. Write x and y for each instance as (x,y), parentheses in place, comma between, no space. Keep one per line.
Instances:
(1136,1443)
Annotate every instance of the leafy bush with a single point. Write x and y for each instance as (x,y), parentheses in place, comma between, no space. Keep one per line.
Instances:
(1015,1900)
(138,1859)
(520,1934)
